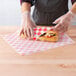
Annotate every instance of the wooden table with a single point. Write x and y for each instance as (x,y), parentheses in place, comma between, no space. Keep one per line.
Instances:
(51,62)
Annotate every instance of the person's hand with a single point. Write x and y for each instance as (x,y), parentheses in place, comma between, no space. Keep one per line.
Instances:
(63,22)
(27,25)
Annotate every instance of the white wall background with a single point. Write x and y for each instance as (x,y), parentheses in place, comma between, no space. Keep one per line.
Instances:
(10,13)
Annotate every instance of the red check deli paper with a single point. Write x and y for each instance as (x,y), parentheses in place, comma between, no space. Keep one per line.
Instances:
(26,47)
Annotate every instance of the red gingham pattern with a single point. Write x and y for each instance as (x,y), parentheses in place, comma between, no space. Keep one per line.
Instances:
(25,47)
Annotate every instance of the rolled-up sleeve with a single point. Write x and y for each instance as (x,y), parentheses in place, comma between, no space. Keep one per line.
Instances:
(29,1)
(73,1)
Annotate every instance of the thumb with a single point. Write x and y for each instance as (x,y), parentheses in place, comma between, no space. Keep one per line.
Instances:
(33,24)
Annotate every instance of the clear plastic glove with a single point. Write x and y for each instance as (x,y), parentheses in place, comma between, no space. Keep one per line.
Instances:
(27,25)
(63,22)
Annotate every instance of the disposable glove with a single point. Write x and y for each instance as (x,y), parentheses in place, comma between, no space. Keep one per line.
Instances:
(64,21)
(27,25)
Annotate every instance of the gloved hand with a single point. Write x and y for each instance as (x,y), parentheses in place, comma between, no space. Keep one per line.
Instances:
(27,25)
(63,22)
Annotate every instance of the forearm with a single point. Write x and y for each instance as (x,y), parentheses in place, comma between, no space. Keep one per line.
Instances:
(73,9)
(25,7)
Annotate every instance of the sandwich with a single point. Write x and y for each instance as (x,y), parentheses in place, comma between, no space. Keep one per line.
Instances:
(49,36)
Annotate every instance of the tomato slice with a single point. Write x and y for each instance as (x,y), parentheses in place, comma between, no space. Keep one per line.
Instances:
(51,29)
(49,36)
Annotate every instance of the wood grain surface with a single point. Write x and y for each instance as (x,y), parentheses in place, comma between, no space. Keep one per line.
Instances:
(60,61)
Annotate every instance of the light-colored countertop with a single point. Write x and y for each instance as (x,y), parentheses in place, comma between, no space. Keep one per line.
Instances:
(45,63)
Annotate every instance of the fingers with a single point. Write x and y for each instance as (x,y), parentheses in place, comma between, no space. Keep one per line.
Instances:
(34,25)
(29,33)
(32,32)
(32,22)
(62,28)
(58,26)
(57,21)
(21,32)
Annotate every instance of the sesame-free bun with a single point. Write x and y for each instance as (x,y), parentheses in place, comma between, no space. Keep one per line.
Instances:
(50,36)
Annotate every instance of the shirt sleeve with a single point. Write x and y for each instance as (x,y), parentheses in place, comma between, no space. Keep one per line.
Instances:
(29,1)
(73,1)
